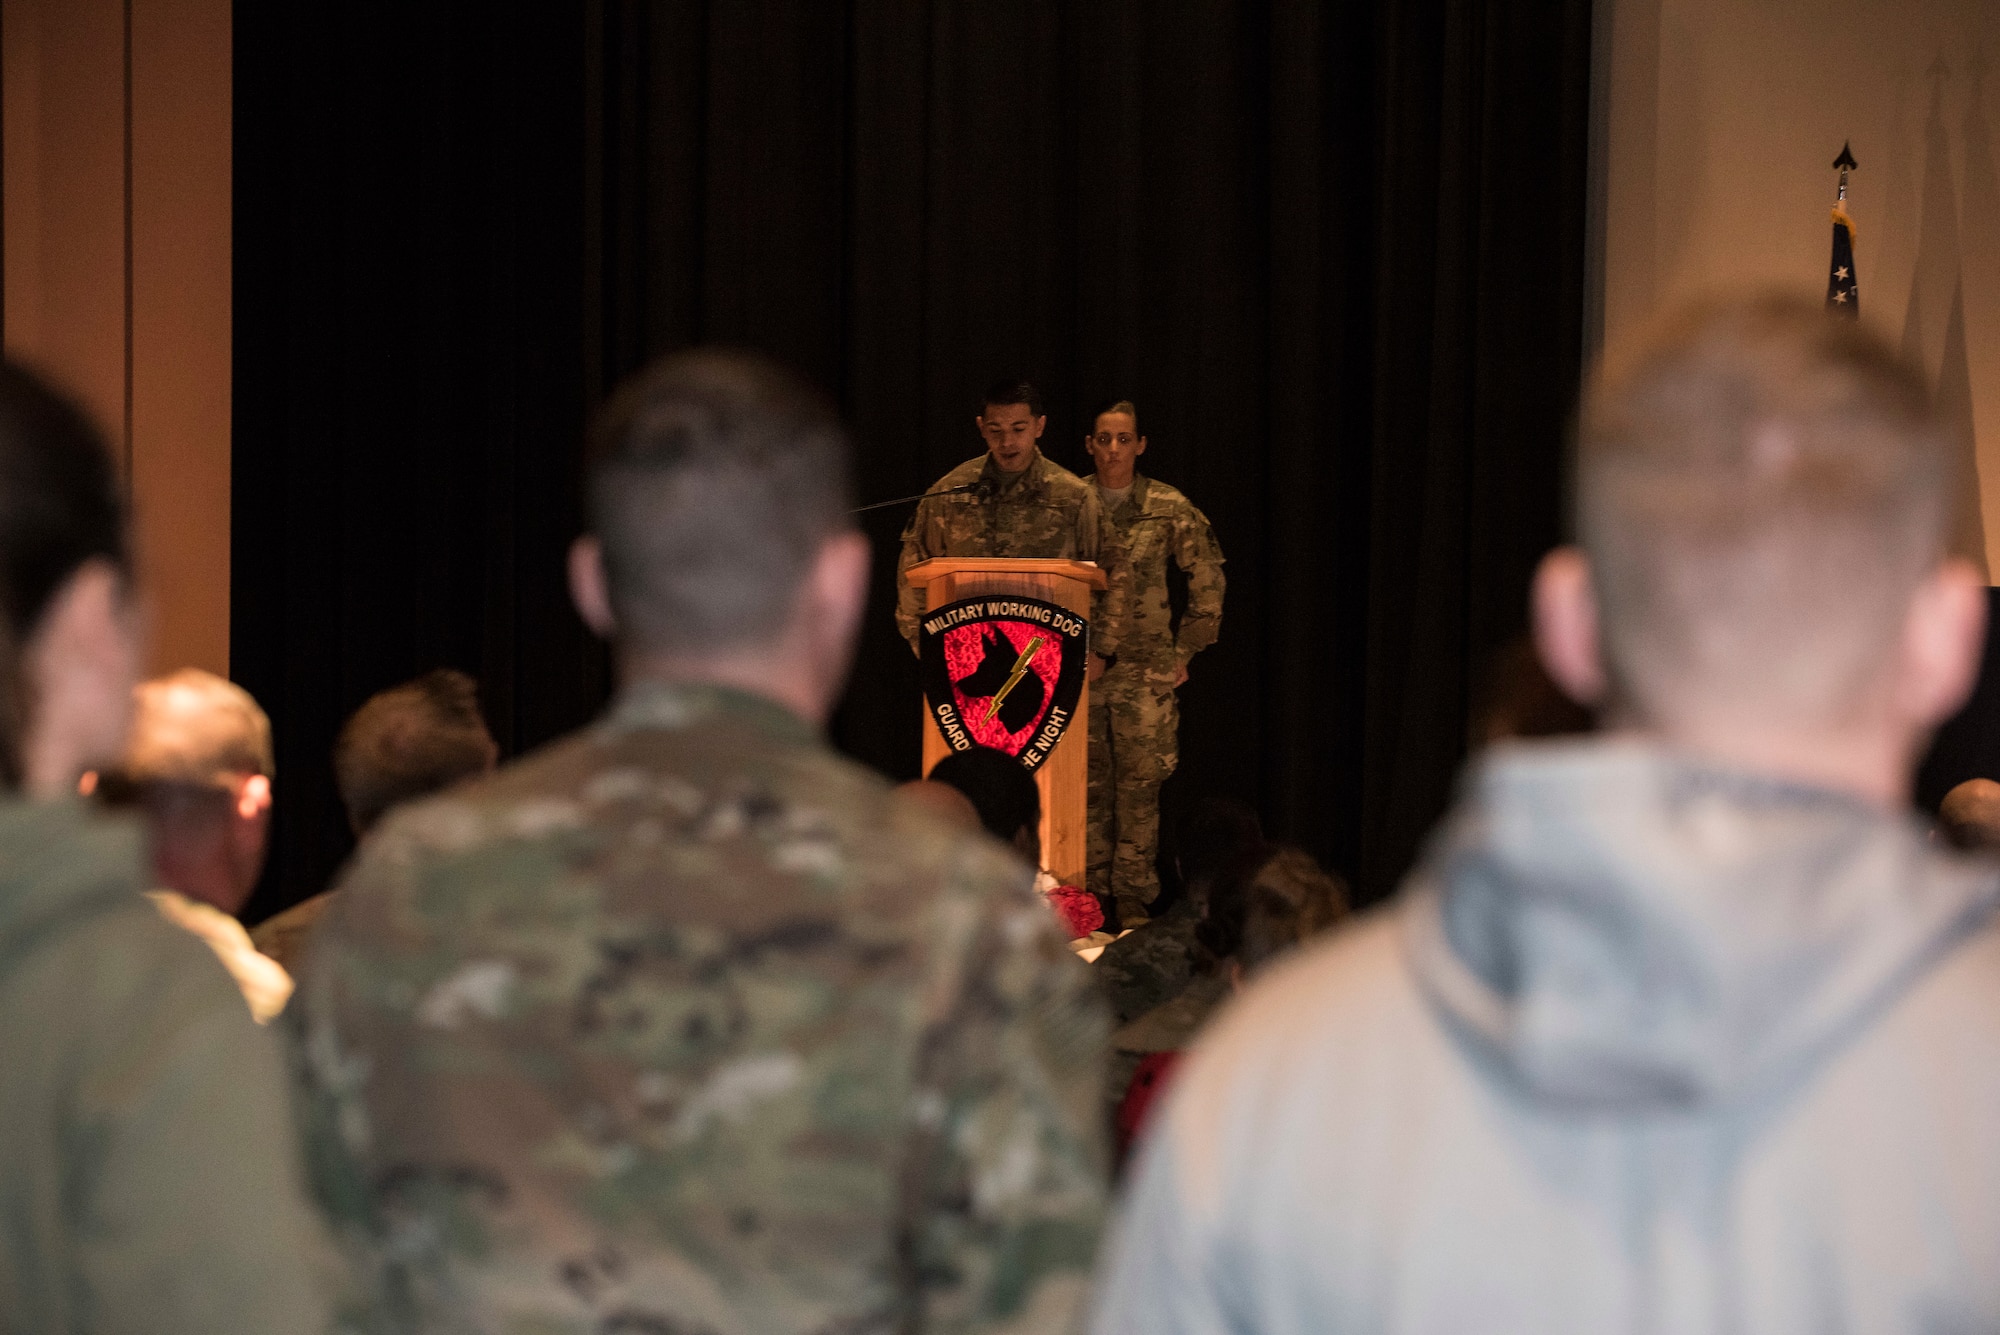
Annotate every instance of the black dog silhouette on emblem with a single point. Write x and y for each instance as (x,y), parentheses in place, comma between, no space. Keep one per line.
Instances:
(1023,704)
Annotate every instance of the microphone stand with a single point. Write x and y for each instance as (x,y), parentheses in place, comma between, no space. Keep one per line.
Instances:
(921,496)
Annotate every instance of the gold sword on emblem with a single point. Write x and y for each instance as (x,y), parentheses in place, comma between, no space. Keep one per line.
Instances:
(1014,677)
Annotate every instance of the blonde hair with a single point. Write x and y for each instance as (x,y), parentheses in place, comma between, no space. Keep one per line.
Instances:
(193,727)
(1760,490)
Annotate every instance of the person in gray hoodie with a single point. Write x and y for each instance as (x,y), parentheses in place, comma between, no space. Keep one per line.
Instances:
(1684,1027)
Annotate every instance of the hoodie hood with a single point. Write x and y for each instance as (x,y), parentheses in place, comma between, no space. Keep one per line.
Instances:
(1616,926)
(60,861)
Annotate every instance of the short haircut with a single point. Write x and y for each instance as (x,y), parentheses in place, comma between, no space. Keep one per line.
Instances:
(1760,491)
(194,736)
(410,741)
(999,786)
(1126,406)
(61,505)
(714,478)
(1006,393)
(192,727)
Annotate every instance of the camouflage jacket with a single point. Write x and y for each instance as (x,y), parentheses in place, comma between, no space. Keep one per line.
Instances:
(687,1024)
(1159,524)
(1050,512)
(1149,964)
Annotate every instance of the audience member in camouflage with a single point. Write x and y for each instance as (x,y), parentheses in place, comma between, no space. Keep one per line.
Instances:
(1267,902)
(1134,713)
(1025,505)
(686,1023)
(1149,965)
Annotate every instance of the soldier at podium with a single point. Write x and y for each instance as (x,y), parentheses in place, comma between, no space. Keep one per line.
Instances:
(1134,713)
(1014,501)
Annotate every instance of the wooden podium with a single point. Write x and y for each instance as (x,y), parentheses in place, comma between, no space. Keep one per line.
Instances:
(1063,776)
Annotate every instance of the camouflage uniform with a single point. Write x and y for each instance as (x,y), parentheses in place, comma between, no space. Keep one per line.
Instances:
(1043,511)
(1170,1026)
(686,1024)
(1148,966)
(1134,714)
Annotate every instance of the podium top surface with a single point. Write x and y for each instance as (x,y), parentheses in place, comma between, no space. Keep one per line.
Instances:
(922,573)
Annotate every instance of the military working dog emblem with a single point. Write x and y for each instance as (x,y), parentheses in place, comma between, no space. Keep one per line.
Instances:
(1003,672)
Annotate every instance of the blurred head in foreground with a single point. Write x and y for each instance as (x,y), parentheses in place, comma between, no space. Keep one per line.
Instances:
(69,631)
(720,544)
(410,741)
(198,762)
(1763,502)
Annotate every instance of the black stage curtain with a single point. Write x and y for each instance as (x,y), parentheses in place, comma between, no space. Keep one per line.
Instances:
(1335,253)
(408,377)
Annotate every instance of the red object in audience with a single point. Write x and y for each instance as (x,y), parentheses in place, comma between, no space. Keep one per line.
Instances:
(1079,910)
(1149,1081)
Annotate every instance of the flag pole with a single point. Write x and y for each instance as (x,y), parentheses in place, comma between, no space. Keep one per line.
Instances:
(1843,289)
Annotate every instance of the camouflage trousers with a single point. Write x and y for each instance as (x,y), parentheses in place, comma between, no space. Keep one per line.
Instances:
(1134,744)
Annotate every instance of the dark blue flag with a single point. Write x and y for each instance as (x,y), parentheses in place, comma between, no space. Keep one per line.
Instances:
(1843,290)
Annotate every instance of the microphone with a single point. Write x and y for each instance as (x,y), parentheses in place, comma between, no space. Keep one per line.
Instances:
(983,488)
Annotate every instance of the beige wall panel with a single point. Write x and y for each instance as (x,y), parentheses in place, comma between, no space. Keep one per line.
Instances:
(20,171)
(181,322)
(68,307)
(1723,118)
(65,190)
